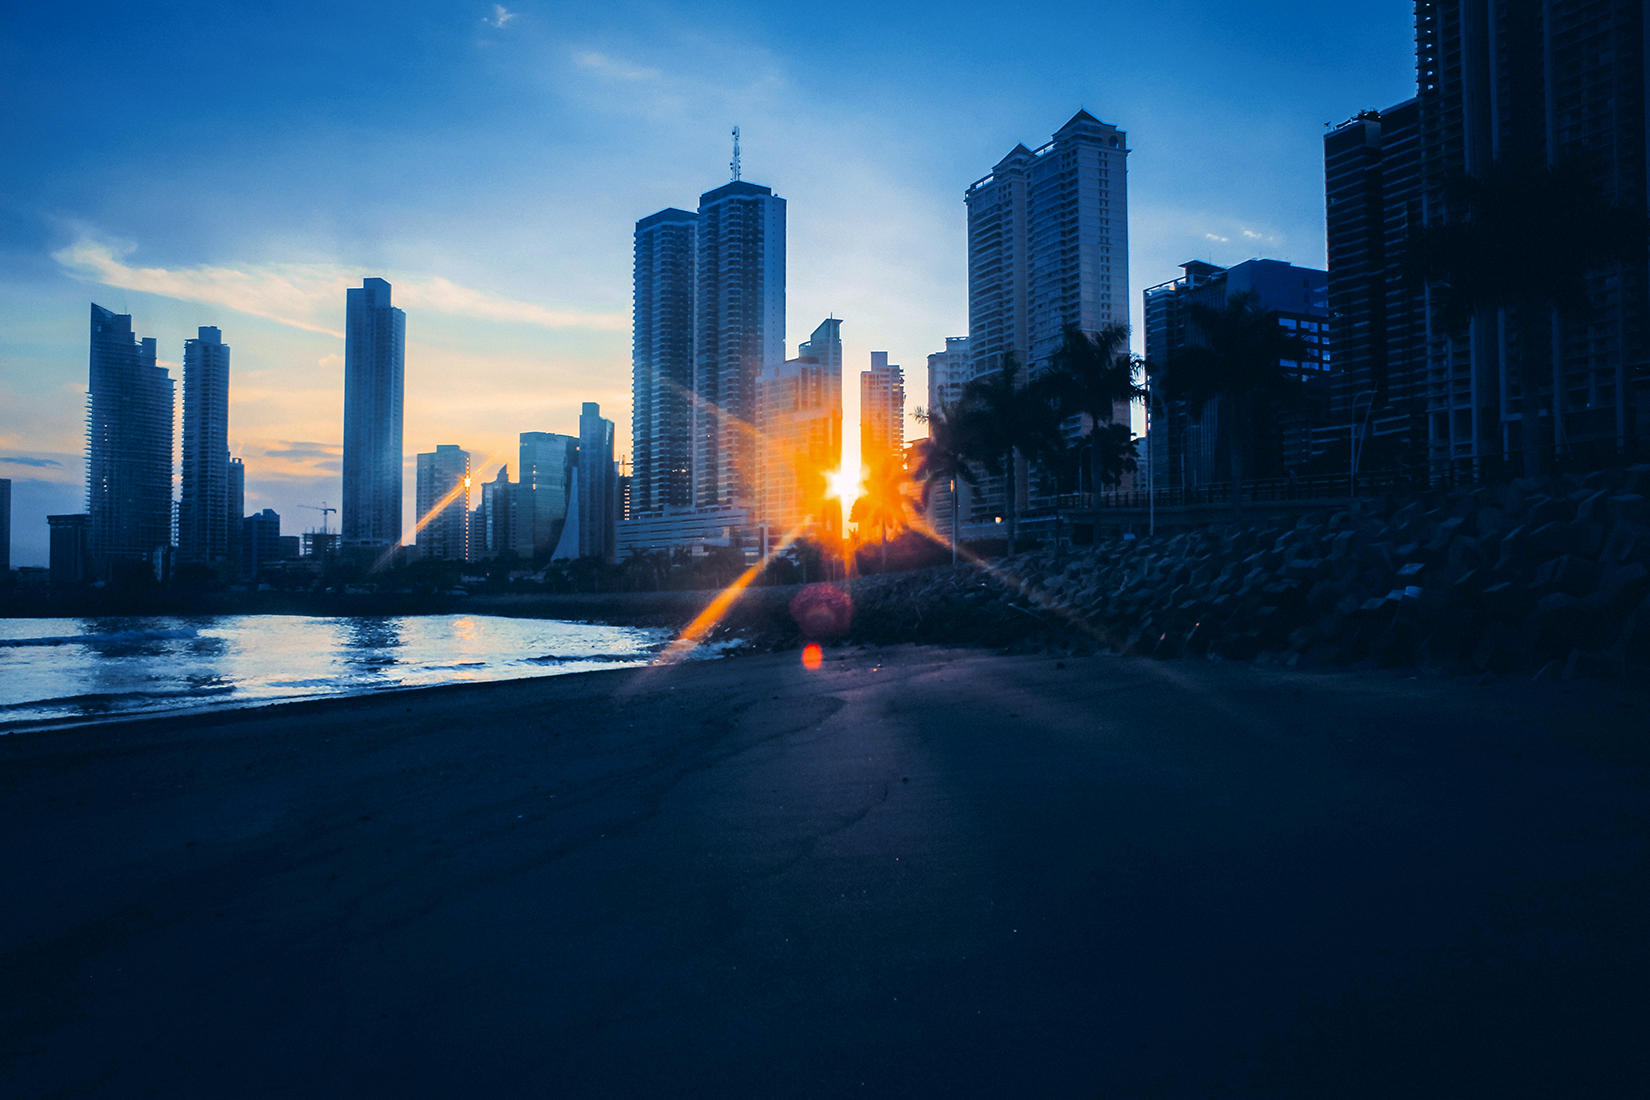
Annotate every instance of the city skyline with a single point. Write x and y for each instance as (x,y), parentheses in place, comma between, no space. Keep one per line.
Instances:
(519,266)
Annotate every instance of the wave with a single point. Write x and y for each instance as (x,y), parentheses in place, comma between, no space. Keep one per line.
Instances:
(557,659)
(116,637)
(125,700)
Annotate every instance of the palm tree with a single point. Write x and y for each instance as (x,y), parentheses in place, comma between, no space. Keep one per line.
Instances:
(1092,375)
(883,504)
(1007,420)
(1525,239)
(944,456)
(1238,362)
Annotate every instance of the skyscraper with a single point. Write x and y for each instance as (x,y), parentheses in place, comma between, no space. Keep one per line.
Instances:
(948,373)
(205,507)
(443,497)
(598,485)
(881,412)
(1048,249)
(549,463)
(662,361)
(1048,244)
(129,420)
(374,349)
(1502,83)
(739,328)
(799,417)
(5,530)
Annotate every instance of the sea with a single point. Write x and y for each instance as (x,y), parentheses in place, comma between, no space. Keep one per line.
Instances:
(55,670)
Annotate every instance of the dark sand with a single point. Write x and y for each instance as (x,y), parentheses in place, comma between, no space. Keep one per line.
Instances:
(915,873)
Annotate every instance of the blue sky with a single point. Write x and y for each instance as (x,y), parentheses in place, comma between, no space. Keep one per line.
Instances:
(238,165)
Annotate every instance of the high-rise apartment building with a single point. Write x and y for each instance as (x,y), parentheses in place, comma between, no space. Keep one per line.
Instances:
(5,530)
(666,249)
(739,328)
(799,420)
(492,525)
(1504,82)
(1191,443)
(260,542)
(375,334)
(1372,193)
(129,421)
(1048,244)
(948,372)
(204,506)
(549,463)
(1048,249)
(443,495)
(598,485)
(881,413)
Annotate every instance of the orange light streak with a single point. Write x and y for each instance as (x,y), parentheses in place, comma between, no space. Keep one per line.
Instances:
(435,509)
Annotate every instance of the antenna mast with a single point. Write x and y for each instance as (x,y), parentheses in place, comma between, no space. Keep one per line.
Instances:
(734,163)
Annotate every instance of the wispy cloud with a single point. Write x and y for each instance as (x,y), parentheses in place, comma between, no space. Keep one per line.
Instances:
(304,295)
(1215,237)
(612,66)
(22,460)
(501,15)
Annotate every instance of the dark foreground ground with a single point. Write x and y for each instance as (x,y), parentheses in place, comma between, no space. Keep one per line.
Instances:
(912,873)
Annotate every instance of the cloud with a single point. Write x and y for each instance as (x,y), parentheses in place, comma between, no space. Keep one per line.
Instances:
(1251,234)
(20,460)
(303,449)
(609,66)
(501,15)
(305,295)
(1213,237)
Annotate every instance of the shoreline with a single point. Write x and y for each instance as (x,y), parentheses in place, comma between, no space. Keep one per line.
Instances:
(938,871)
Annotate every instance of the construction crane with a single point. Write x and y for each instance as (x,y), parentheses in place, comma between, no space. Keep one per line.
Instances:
(324,509)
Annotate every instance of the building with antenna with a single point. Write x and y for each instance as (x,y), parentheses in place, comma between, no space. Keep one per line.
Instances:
(129,421)
(204,505)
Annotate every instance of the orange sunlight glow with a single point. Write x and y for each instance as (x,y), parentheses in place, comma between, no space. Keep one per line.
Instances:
(847,486)
(812,656)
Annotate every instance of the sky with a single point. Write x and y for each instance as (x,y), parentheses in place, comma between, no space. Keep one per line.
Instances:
(240,165)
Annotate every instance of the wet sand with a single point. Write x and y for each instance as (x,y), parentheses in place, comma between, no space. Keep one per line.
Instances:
(916,872)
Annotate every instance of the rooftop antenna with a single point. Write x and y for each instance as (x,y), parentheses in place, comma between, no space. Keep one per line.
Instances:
(734,163)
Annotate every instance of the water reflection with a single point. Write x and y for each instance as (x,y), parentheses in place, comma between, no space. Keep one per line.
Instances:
(56,668)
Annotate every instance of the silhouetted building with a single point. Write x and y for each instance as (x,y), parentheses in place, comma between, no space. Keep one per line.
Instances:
(948,372)
(1191,447)
(662,360)
(598,485)
(881,412)
(739,329)
(1372,193)
(443,496)
(492,527)
(237,506)
(204,505)
(70,561)
(1048,247)
(5,529)
(549,463)
(1511,81)
(799,419)
(129,421)
(374,352)
(260,542)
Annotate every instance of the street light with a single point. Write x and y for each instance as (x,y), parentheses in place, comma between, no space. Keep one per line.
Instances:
(1353,442)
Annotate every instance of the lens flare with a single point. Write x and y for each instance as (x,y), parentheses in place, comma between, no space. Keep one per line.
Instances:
(812,656)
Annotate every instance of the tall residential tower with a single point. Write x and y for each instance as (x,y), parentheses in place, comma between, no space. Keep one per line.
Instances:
(205,509)
(662,361)
(129,420)
(374,350)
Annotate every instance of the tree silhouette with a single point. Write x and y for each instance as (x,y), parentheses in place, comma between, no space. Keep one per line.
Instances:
(1523,238)
(884,503)
(1238,361)
(944,456)
(1006,418)
(1092,375)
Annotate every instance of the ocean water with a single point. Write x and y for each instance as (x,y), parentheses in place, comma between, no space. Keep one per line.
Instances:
(55,669)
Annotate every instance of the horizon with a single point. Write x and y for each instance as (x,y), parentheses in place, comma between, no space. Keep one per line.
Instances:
(508,151)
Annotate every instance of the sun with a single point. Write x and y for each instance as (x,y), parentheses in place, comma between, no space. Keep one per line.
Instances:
(846,485)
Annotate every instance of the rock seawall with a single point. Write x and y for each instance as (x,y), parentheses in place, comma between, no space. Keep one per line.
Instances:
(1547,576)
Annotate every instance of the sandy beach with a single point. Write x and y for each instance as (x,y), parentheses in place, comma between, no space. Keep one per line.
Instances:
(914,872)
